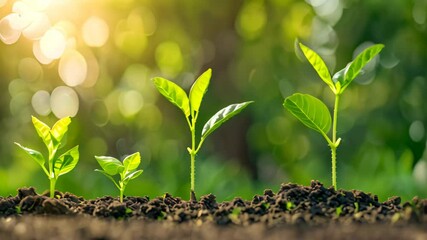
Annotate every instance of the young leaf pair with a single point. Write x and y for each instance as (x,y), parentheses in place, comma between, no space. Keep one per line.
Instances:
(190,106)
(312,112)
(52,138)
(127,170)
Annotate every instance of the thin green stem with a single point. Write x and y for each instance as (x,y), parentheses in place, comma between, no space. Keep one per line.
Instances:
(334,167)
(122,190)
(334,141)
(193,158)
(200,144)
(52,187)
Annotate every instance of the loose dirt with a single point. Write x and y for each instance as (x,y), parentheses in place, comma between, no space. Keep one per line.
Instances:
(294,211)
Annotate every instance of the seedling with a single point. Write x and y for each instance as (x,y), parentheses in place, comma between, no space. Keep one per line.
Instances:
(190,107)
(127,170)
(312,112)
(52,138)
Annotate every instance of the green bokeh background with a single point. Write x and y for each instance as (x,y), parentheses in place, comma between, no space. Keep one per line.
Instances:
(251,48)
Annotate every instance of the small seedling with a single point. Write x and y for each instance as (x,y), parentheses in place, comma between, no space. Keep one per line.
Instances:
(338,210)
(57,165)
(190,106)
(127,170)
(290,205)
(312,112)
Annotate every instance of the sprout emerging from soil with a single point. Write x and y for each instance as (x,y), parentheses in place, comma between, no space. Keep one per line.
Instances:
(127,170)
(52,138)
(190,107)
(312,112)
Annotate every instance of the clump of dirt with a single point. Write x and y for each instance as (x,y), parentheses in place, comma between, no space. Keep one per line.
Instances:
(313,205)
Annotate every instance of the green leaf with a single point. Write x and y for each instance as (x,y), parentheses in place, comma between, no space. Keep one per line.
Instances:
(173,93)
(43,131)
(222,116)
(66,162)
(353,69)
(132,175)
(319,65)
(199,89)
(132,162)
(60,128)
(36,155)
(110,165)
(310,111)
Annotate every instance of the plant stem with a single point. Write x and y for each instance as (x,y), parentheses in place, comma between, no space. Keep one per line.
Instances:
(334,167)
(52,187)
(192,162)
(121,193)
(334,141)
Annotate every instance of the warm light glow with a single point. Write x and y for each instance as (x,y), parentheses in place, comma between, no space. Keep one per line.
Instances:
(92,69)
(8,35)
(19,21)
(38,5)
(41,102)
(95,32)
(64,102)
(39,54)
(3,2)
(72,68)
(37,27)
(53,43)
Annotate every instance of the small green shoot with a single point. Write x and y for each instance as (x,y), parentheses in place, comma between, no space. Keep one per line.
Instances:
(290,205)
(338,210)
(190,105)
(312,112)
(52,137)
(127,170)
(18,210)
(234,215)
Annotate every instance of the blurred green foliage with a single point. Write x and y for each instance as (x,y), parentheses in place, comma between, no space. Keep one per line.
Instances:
(251,47)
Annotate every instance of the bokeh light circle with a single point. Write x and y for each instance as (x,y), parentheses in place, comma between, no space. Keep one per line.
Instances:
(130,103)
(417,131)
(41,103)
(169,58)
(29,69)
(37,27)
(8,35)
(72,68)
(53,43)
(19,21)
(64,102)
(95,32)
(43,59)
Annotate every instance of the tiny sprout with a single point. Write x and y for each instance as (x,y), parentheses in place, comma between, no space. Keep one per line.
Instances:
(52,138)
(312,112)
(190,105)
(290,205)
(338,210)
(127,170)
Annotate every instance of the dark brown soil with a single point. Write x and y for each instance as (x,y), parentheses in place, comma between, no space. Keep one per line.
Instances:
(303,212)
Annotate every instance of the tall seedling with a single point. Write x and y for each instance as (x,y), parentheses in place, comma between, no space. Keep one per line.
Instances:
(52,138)
(190,105)
(312,112)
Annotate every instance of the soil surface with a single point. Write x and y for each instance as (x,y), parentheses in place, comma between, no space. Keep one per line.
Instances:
(294,211)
